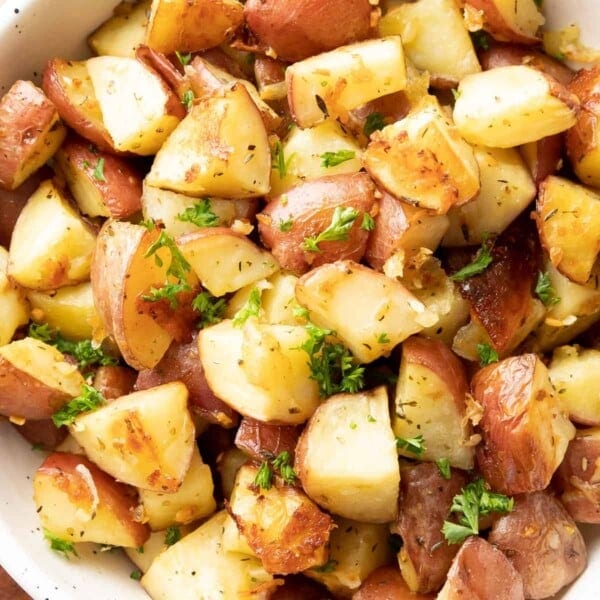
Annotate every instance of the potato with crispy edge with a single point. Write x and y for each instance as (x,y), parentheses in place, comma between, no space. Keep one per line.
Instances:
(542,542)
(51,244)
(577,478)
(525,430)
(423,160)
(306,210)
(346,457)
(284,528)
(512,105)
(103,185)
(14,307)
(30,133)
(260,440)
(35,379)
(386,583)
(78,502)
(431,400)
(481,571)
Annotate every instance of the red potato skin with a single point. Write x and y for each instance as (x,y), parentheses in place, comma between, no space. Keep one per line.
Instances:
(268,71)
(121,186)
(542,542)
(113,381)
(120,498)
(42,434)
(164,67)
(548,158)
(480,572)
(423,506)
(391,107)
(182,363)
(298,587)
(261,440)
(386,583)
(310,206)
(578,479)
(296,30)
(219,58)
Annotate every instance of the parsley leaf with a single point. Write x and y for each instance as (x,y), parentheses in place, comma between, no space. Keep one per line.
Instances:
(264,476)
(282,463)
(136,575)
(89,399)
(333,159)
(250,309)
(210,308)
(545,291)
(200,214)
(487,355)
(480,263)
(443,465)
(285,226)
(172,535)
(59,545)
(279,162)
(99,170)
(480,39)
(337,231)
(373,123)
(184,59)
(383,338)
(415,445)
(368,222)
(188,99)
(475,500)
(328,567)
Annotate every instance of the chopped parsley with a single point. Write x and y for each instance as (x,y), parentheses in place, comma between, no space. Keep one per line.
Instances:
(279,161)
(172,535)
(481,39)
(211,309)
(545,291)
(59,545)
(475,500)
(285,226)
(200,214)
(99,170)
(374,122)
(188,99)
(415,445)
(184,59)
(89,399)
(383,338)
(136,575)
(264,476)
(368,222)
(250,309)
(487,355)
(338,230)
(480,263)
(328,567)
(333,159)
(282,463)
(443,465)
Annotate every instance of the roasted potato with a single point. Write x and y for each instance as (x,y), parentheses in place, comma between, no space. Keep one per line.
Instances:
(298,587)
(261,440)
(43,434)
(544,157)
(480,571)
(30,133)
(270,78)
(346,457)
(13,304)
(307,210)
(78,502)
(113,381)
(525,430)
(386,583)
(542,542)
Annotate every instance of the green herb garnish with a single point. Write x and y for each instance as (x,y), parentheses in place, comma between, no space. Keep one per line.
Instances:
(443,465)
(59,545)
(89,399)
(338,230)
(99,170)
(373,123)
(172,535)
(200,214)
(545,291)
(487,355)
(210,308)
(415,445)
(480,263)
(333,159)
(250,309)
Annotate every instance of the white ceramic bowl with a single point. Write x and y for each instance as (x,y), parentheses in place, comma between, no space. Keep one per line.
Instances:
(32,31)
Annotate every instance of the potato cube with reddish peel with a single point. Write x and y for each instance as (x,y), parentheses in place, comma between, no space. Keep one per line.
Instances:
(30,133)
(346,457)
(513,105)
(335,82)
(577,478)
(51,244)
(35,379)
(568,220)
(542,542)
(220,149)
(306,210)
(510,21)
(274,521)
(193,500)
(138,109)
(258,439)
(78,502)
(423,160)
(431,400)
(13,304)
(145,439)
(480,571)
(384,312)
(386,583)
(102,184)
(524,428)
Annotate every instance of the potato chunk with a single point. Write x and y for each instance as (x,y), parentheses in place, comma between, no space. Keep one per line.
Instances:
(13,305)
(77,502)
(346,457)
(384,312)
(512,105)
(145,439)
(51,245)
(525,432)
(275,521)
(423,160)
(30,133)
(568,219)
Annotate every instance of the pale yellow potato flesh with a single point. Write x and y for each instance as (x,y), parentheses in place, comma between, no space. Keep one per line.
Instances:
(14,307)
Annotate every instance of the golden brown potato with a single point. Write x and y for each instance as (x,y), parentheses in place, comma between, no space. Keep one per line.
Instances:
(386,583)
(568,220)
(113,381)
(542,542)
(262,440)
(583,139)
(296,30)
(30,133)
(68,85)
(103,185)
(423,506)
(293,541)
(480,571)
(525,432)
(78,502)
(577,477)
(306,210)
(191,25)
(42,435)
(35,379)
